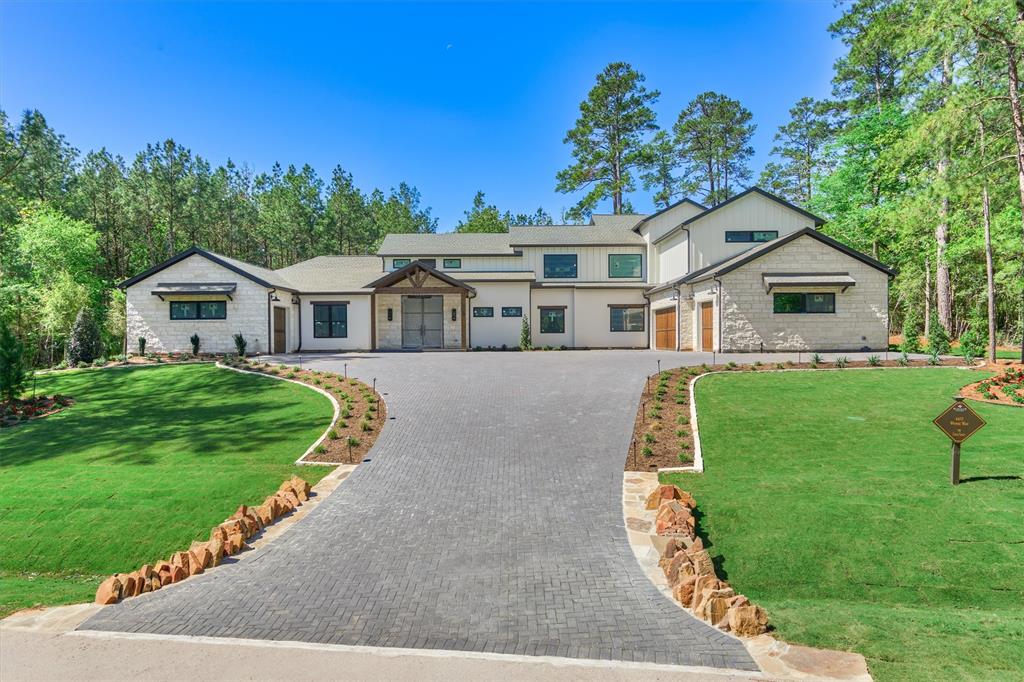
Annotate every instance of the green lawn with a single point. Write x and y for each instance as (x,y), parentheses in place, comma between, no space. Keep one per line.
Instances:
(827,499)
(146,461)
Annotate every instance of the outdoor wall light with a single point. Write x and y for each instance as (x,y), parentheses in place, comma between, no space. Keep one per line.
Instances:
(391,315)
(455,312)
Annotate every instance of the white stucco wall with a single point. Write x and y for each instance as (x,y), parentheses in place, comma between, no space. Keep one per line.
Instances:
(497,331)
(860,320)
(148,316)
(552,297)
(592,319)
(358,323)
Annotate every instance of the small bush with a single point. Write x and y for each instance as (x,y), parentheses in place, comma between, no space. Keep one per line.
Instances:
(142,345)
(842,361)
(240,344)
(874,361)
(647,452)
(684,457)
(99,362)
(815,359)
(320,449)
(353,442)
(682,433)
(194,340)
(13,374)
(334,435)
(649,438)
(938,340)
(903,360)
(682,419)
(84,343)
(365,425)
(680,401)
(779,365)
(934,358)
(730,365)
(290,375)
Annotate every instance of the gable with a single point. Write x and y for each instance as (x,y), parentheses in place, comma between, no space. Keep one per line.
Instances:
(658,225)
(194,255)
(757,203)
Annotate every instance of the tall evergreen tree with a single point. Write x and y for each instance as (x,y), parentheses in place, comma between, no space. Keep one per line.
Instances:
(609,140)
(712,137)
(800,148)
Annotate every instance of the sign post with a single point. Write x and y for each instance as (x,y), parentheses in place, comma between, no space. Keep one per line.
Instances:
(959,422)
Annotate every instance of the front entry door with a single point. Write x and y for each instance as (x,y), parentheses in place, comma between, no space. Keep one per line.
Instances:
(422,322)
(279,330)
(707,327)
(665,329)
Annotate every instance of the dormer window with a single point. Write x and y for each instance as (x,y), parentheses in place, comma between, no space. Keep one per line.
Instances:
(751,235)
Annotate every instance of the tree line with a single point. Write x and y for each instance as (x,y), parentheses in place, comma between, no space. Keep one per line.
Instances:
(917,157)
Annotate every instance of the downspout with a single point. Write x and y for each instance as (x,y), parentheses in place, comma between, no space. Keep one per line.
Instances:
(650,324)
(679,292)
(469,319)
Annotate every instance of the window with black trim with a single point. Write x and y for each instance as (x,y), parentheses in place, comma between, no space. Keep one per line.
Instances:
(330,320)
(512,311)
(625,265)
(453,263)
(751,235)
(432,262)
(560,265)
(483,311)
(552,320)
(399,262)
(788,303)
(199,310)
(626,319)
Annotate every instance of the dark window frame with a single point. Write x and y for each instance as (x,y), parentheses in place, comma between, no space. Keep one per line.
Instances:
(561,318)
(575,265)
(447,263)
(747,236)
(611,318)
(803,303)
(398,263)
(506,308)
(481,308)
(639,256)
(197,315)
(330,320)
(432,262)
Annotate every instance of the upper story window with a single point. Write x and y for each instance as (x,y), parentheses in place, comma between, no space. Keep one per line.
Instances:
(399,262)
(452,263)
(625,265)
(560,265)
(751,235)
(199,310)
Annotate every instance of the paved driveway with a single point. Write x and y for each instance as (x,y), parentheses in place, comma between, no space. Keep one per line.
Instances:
(488,519)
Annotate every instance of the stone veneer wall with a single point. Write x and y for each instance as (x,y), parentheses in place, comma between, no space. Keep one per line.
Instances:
(685,324)
(150,317)
(389,334)
(860,320)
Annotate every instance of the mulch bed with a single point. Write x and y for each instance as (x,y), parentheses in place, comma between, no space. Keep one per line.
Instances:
(662,433)
(25,410)
(363,412)
(1003,389)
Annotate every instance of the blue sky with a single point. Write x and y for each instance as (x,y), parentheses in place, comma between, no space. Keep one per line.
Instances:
(451,98)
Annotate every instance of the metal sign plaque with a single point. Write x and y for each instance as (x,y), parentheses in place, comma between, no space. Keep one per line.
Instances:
(959,422)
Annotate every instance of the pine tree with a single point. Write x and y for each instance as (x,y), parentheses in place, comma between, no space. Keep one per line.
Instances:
(84,344)
(12,365)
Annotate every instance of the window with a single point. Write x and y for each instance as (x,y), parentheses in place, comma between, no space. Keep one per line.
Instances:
(432,262)
(804,303)
(399,263)
(199,310)
(452,263)
(751,235)
(625,265)
(330,320)
(483,311)
(627,319)
(512,311)
(552,320)
(560,265)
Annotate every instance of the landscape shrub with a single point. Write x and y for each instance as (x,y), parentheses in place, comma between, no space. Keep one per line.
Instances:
(85,343)
(903,360)
(912,326)
(194,340)
(240,344)
(12,365)
(142,345)
(973,342)
(938,340)
(874,360)
(842,361)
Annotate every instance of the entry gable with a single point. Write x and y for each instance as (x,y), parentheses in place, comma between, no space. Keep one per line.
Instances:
(261,276)
(418,275)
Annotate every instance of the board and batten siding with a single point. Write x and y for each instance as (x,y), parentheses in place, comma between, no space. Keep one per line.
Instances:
(752,212)
(469,263)
(150,317)
(591,262)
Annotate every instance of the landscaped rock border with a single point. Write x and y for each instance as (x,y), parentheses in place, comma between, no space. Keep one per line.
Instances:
(689,570)
(225,539)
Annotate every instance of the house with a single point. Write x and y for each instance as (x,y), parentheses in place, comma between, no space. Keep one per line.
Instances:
(752,273)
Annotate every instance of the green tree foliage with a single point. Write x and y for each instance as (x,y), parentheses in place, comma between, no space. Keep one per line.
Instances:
(609,140)
(525,335)
(483,217)
(84,343)
(801,151)
(712,137)
(12,364)
(660,175)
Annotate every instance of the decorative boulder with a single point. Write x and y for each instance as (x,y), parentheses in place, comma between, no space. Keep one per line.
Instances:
(109,591)
(714,606)
(748,620)
(683,590)
(669,492)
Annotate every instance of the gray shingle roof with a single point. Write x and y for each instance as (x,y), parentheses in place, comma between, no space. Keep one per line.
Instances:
(626,221)
(495,276)
(446,244)
(334,274)
(603,233)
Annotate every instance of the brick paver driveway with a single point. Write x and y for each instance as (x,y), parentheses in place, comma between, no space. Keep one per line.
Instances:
(488,519)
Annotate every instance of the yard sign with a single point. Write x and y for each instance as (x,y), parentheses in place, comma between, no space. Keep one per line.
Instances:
(959,422)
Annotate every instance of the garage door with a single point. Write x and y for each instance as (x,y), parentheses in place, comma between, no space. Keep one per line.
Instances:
(665,329)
